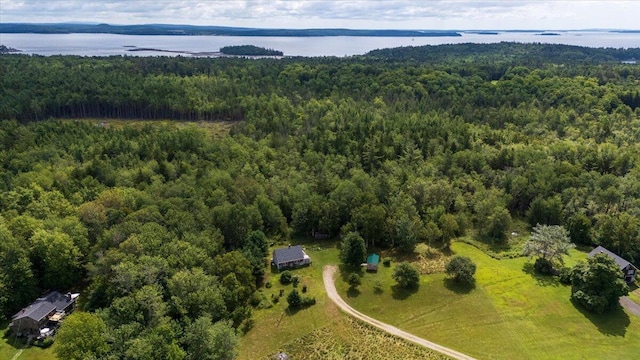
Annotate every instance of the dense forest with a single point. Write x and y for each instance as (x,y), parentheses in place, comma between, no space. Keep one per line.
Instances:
(166,230)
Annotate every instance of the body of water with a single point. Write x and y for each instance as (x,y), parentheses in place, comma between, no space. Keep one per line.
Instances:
(111,44)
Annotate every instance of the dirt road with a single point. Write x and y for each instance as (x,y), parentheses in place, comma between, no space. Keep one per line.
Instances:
(630,305)
(328,275)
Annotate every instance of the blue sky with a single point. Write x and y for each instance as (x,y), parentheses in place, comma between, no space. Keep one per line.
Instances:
(371,14)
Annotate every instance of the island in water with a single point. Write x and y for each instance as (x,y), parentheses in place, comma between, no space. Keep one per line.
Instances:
(249,50)
(8,50)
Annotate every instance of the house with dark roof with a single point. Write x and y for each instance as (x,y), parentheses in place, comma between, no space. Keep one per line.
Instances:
(372,262)
(628,269)
(44,313)
(290,257)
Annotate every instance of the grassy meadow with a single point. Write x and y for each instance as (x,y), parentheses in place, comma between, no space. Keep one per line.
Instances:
(347,338)
(509,313)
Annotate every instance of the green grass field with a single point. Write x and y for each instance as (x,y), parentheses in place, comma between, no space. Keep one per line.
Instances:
(347,338)
(10,349)
(510,313)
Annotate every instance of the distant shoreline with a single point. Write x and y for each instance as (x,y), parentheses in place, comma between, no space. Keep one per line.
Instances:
(188,30)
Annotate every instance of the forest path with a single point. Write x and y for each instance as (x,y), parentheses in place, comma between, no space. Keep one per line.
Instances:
(328,275)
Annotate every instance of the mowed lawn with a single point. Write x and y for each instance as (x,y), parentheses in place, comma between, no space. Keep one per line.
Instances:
(511,313)
(12,349)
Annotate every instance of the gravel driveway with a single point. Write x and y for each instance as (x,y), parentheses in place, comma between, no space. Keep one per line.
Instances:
(630,305)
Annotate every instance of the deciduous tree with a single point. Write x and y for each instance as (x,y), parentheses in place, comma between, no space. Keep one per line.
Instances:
(598,284)
(548,242)
(406,275)
(353,251)
(461,269)
(81,336)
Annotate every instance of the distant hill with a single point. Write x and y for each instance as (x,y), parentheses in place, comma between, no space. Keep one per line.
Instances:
(162,29)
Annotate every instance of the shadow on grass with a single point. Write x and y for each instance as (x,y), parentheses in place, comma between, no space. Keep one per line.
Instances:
(378,291)
(353,292)
(290,311)
(11,340)
(458,287)
(400,293)
(274,270)
(345,271)
(613,322)
(541,279)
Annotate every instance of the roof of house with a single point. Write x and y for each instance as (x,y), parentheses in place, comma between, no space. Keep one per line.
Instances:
(373,259)
(620,261)
(43,306)
(36,311)
(288,254)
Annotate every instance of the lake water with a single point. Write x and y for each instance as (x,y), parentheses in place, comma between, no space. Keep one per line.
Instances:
(111,44)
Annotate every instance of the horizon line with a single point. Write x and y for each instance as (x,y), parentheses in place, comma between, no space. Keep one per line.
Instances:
(322,28)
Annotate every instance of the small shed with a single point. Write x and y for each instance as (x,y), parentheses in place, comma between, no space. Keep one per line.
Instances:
(372,262)
(629,271)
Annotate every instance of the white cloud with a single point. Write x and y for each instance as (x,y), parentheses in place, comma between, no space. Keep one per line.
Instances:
(417,14)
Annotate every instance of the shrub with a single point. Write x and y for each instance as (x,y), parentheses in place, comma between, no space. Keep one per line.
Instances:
(295,280)
(354,280)
(265,304)
(386,262)
(377,286)
(294,299)
(268,285)
(257,298)
(285,277)
(246,325)
(308,301)
(44,343)
(565,276)
(304,289)
(543,266)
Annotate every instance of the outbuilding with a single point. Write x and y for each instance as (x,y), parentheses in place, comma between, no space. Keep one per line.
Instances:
(372,262)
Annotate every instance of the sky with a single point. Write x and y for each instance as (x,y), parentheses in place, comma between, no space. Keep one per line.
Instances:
(362,14)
